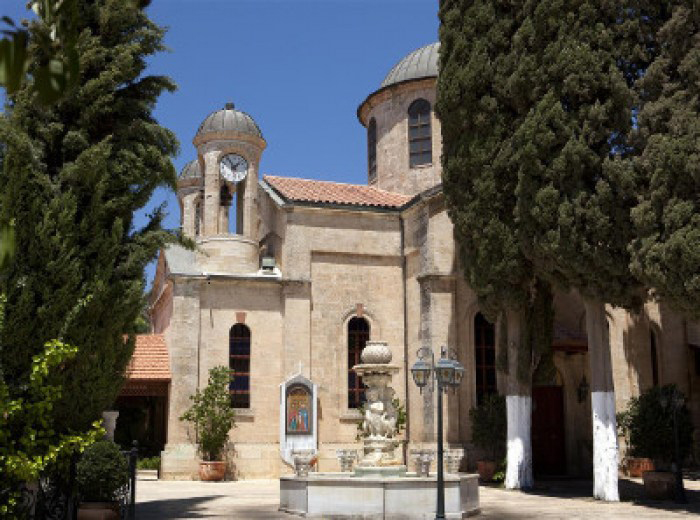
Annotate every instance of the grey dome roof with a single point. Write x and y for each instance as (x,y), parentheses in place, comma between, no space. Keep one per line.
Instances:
(421,63)
(191,171)
(228,119)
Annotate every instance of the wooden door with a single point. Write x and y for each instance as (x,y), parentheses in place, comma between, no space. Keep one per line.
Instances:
(548,449)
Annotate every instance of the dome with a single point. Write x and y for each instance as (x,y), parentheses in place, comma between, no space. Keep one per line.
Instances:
(421,63)
(228,119)
(191,171)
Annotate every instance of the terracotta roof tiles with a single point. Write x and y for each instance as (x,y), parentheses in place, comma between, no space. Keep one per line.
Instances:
(306,190)
(150,360)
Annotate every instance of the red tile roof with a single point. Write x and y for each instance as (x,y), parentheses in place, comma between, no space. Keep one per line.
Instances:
(150,360)
(306,190)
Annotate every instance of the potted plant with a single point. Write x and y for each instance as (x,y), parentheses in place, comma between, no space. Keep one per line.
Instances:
(651,435)
(489,433)
(102,475)
(631,466)
(212,417)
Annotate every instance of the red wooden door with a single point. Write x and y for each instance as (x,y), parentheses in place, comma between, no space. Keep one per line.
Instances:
(548,450)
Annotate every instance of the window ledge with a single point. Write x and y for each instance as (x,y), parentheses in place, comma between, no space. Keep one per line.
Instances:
(244,414)
(350,415)
(421,166)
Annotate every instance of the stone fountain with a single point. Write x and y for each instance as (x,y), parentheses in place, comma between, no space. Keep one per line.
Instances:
(379,487)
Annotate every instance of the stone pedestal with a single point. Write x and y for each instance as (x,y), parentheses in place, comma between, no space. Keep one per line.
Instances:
(109,421)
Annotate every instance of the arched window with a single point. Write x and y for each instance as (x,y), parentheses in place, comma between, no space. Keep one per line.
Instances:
(239,363)
(420,142)
(358,334)
(654,359)
(197,217)
(485,357)
(372,149)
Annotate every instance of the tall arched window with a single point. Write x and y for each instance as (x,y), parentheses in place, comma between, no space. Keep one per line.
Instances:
(420,142)
(197,217)
(358,334)
(372,149)
(485,357)
(654,359)
(239,363)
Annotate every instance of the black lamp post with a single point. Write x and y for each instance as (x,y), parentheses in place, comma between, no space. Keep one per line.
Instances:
(448,372)
(675,401)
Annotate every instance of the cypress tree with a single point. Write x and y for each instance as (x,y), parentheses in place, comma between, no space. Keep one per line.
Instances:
(665,251)
(479,108)
(74,173)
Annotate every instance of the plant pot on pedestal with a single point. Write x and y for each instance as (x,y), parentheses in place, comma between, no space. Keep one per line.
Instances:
(486,470)
(212,470)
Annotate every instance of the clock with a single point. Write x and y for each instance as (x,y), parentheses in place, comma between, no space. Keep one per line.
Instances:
(233,168)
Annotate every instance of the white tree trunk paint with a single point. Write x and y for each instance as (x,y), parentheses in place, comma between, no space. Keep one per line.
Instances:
(605,453)
(519,445)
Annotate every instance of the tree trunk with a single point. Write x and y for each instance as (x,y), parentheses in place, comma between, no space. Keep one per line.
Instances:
(605,453)
(519,413)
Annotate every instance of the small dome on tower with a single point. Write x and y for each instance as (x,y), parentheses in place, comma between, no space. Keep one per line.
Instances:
(421,63)
(191,171)
(229,119)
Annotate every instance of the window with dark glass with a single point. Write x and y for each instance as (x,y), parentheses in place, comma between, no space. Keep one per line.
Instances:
(358,334)
(372,149)
(654,359)
(485,357)
(420,142)
(197,217)
(239,363)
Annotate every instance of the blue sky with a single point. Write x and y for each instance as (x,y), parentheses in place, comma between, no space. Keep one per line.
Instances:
(299,67)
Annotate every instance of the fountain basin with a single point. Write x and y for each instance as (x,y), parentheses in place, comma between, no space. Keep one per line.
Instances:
(341,496)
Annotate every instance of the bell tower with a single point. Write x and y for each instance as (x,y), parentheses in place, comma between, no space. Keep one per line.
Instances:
(229,147)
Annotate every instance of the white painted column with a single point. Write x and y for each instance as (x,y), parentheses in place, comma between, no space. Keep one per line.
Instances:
(605,451)
(519,414)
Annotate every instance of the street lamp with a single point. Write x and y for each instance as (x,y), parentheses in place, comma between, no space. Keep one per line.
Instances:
(675,401)
(448,372)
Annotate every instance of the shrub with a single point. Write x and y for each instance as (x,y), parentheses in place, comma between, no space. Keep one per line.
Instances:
(148,463)
(649,421)
(102,472)
(489,425)
(211,413)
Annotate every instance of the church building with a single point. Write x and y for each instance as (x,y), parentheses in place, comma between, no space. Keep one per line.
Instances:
(291,277)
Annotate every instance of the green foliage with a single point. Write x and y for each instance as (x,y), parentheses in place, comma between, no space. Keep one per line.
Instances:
(102,472)
(666,248)
(648,421)
(489,426)
(211,413)
(28,442)
(148,463)
(73,175)
(500,475)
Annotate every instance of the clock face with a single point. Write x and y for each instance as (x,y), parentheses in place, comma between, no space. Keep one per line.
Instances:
(233,168)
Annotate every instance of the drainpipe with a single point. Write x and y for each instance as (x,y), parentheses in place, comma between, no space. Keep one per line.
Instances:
(405,334)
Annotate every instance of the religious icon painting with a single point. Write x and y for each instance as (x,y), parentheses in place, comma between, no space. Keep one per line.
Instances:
(299,410)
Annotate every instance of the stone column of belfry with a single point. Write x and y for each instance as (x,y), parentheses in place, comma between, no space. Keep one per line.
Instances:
(212,200)
(605,454)
(519,413)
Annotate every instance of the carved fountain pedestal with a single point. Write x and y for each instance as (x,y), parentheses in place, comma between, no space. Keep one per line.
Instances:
(379,424)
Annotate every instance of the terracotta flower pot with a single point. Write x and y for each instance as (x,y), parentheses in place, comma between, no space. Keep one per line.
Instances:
(486,469)
(98,511)
(637,466)
(212,470)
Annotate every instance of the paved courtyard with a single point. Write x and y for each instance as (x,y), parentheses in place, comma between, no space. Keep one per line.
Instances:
(257,499)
